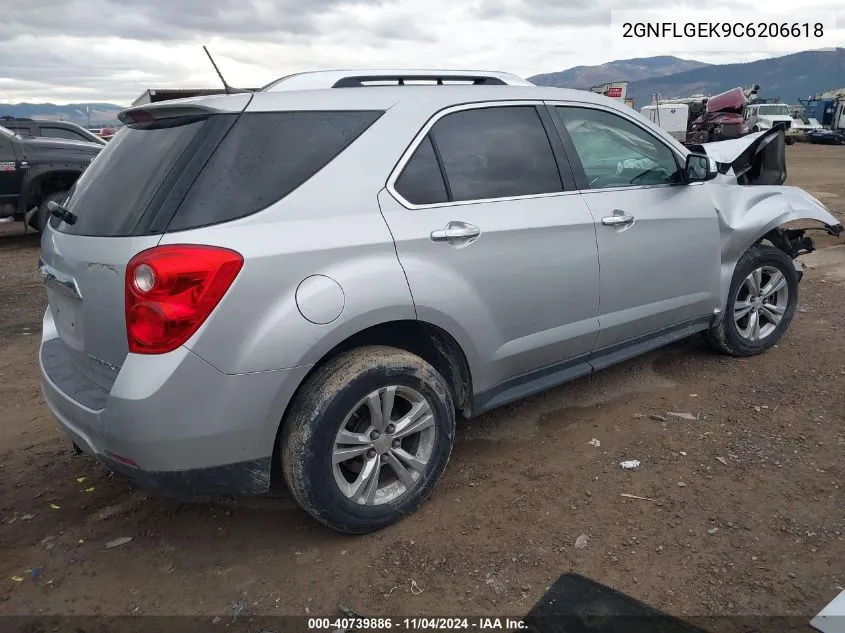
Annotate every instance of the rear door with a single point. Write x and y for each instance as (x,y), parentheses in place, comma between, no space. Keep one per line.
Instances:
(658,238)
(497,246)
(83,264)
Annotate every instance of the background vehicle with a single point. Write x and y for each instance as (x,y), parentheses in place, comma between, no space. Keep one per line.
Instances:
(802,125)
(427,250)
(672,117)
(35,171)
(717,118)
(826,137)
(764,115)
(50,129)
(828,108)
(103,133)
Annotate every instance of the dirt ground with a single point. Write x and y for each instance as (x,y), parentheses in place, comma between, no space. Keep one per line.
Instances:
(743,509)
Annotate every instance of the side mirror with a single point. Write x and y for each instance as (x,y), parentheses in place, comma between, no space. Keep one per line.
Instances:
(700,168)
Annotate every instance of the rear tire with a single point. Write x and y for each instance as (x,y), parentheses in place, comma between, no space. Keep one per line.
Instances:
(42,216)
(384,469)
(790,140)
(761,303)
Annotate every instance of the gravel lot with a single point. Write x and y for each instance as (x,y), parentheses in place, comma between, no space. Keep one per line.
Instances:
(742,510)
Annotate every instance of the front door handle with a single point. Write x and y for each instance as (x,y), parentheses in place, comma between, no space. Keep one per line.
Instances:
(456,232)
(618,218)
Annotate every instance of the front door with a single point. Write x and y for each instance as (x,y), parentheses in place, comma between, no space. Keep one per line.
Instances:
(496,250)
(658,238)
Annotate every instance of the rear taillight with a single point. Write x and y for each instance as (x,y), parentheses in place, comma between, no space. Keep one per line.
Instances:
(171,290)
(139,116)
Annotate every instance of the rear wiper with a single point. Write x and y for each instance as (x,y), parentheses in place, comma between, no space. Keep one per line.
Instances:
(58,211)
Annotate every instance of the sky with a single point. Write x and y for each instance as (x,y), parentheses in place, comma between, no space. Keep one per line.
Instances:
(64,51)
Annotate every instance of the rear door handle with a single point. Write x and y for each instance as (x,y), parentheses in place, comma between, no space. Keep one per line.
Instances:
(456,232)
(618,218)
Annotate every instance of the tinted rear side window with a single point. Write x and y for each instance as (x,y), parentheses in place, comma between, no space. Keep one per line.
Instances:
(264,157)
(496,153)
(113,193)
(421,182)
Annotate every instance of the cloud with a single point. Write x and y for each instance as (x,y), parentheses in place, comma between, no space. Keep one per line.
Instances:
(167,20)
(112,50)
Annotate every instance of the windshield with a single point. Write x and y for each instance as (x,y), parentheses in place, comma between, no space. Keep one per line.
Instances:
(774,110)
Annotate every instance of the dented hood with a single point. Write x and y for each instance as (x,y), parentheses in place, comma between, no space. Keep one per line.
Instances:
(754,159)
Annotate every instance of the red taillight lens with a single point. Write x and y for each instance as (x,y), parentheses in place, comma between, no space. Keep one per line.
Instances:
(171,290)
(138,116)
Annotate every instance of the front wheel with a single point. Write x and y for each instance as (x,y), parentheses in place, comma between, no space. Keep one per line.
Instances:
(761,303)
(367,438)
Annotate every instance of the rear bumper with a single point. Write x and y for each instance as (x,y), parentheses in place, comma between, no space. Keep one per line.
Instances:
(174,424)
(244,478)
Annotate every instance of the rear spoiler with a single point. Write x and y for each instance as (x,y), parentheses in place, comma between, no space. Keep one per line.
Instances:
(191,106)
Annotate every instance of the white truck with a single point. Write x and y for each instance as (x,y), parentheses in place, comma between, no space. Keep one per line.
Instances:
(672,117)
(762,115)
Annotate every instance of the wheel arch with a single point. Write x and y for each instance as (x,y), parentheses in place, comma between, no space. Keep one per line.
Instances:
(430,342)
(46,181)
(751,214)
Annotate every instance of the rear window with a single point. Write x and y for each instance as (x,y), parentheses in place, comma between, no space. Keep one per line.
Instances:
(264,157)
(113,193)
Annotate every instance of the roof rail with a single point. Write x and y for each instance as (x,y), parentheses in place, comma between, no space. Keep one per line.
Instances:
(363,80)
(322,79)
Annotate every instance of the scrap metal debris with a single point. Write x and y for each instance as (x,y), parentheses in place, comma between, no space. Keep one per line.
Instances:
(683,416)
(630,464)
(627,496)
(123,540)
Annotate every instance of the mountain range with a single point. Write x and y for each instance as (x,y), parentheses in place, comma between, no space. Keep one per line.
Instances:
(621,70)
(790,78)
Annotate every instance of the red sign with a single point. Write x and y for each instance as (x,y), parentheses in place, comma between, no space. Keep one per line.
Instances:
(614,92)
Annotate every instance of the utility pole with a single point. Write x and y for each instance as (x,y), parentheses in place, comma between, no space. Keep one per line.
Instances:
(88,112)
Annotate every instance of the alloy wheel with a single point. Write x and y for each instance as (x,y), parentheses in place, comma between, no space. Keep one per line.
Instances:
(384,445)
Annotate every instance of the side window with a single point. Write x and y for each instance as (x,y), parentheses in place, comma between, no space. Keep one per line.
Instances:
(496,153)
(60,132)
(486,153)
(617,153)
(421,181)
(263,158)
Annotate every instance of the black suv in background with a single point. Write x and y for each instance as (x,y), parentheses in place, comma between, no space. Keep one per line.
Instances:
(34,171)
(50,129)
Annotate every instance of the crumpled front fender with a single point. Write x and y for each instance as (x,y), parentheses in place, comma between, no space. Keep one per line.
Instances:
(747,213)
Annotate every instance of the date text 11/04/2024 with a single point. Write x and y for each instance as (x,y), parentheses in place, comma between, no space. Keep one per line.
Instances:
(737,30)
(416,624)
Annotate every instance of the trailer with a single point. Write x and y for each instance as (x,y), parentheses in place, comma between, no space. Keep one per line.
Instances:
(672,117)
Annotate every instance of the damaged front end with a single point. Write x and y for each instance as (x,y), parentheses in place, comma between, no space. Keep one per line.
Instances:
(753,204)
(717,118)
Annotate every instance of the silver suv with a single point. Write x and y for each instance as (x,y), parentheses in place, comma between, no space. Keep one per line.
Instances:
(313,280)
